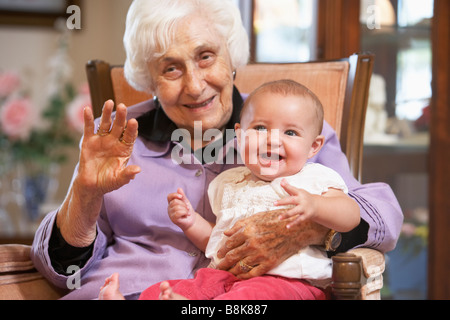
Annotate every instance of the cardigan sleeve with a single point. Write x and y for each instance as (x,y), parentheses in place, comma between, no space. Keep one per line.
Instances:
(54,258)
(381,215)
(54,270)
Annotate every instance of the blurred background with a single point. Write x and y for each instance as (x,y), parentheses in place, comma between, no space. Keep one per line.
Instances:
(42,60)
(45,46)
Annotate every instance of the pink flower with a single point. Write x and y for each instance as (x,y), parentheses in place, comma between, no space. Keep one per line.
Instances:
(9,82)
(75,110)
(408,229)
(17,118)
(84,89)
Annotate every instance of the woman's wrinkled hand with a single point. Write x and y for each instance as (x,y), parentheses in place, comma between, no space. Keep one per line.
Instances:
(262,241)
(104,154)
(103,167)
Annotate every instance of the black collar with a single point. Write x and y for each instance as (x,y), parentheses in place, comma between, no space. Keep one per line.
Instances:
(156,126)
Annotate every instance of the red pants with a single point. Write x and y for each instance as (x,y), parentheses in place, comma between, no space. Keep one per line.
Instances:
(212,284)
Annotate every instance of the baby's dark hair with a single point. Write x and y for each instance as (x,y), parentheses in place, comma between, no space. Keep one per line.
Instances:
(289,87)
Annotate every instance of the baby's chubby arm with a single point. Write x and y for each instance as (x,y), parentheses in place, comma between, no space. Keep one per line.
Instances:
(194,226)
(333,209)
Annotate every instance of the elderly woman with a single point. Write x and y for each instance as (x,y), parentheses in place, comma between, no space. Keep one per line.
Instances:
(114,218)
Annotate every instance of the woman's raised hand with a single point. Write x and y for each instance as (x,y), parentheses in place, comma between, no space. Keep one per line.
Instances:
(103,167)
(105,153)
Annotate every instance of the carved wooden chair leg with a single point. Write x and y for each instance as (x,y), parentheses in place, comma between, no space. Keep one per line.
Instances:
(346,279)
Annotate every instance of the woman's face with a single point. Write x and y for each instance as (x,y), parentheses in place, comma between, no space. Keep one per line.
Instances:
(194,80)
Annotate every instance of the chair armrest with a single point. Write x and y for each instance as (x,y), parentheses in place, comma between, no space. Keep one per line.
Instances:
(14,258)
(358,274)
(373,266)
(19,280)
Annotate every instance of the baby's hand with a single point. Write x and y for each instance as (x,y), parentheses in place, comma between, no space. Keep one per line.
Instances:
(180,210)
(303,201)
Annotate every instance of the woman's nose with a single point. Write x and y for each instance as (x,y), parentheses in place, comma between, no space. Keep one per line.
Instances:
(194,82)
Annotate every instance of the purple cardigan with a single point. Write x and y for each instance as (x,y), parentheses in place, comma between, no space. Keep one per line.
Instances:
(137,239)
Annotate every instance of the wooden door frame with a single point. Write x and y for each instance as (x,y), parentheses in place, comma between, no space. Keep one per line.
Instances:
(439,158)
(338,33)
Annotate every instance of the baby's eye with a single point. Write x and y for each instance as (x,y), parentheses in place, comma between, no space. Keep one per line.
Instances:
(260,128)
(291,133)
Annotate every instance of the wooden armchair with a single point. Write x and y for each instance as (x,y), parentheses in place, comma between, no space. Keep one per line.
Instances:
(342,86)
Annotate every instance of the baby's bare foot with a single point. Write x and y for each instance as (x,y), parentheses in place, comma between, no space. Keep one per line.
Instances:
(110,290)
(168,294)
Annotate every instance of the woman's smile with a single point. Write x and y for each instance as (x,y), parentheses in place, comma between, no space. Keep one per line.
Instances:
(201,105)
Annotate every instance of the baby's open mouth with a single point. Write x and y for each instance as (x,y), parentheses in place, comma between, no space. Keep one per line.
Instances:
(269,158)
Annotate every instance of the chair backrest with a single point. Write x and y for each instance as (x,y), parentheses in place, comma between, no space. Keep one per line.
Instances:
(341,85)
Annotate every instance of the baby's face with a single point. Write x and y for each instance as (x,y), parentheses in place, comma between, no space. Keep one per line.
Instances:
(277,135)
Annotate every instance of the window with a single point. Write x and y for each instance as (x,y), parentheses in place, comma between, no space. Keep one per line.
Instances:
(414,59)
(285,30)
(398,32)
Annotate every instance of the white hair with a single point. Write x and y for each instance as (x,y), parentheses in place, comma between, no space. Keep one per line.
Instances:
(151,25)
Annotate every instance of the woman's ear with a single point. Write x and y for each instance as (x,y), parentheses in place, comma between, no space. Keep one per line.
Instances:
(316,146)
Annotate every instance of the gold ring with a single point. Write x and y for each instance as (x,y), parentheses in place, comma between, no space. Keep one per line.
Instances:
(102,133)
(128,144)
(244,267)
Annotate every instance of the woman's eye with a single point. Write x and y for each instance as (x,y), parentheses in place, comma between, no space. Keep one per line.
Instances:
(172,72)
(206,56)
(206,59)
(169,69)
